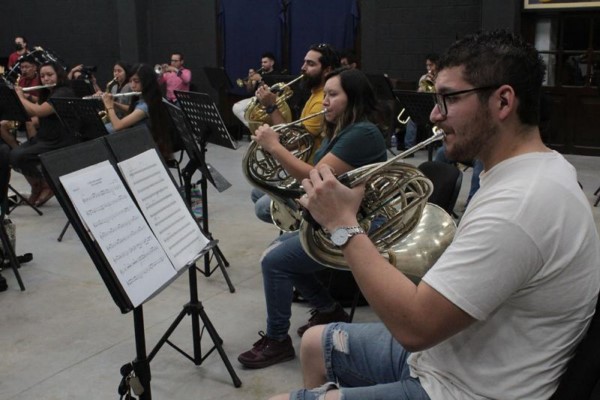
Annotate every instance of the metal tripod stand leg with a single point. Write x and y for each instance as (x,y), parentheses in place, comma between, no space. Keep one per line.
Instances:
(64,230)
(195,310)
(10,252)
(22,200)
(222,263)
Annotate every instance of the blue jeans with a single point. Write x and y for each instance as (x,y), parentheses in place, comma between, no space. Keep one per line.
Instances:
(477,168)
(410,134)
(262,205)
(286,265)
(367,363)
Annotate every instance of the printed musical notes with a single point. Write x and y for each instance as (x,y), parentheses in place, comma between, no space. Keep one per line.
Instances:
(135,255)
(163,207)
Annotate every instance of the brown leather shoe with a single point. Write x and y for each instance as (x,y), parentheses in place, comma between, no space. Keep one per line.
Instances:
(267,352)
(321,318)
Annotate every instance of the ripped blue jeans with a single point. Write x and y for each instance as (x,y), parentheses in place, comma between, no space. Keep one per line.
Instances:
(365,362)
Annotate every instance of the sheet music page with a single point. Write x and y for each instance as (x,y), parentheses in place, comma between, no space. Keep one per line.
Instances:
(163,207)
(135,255)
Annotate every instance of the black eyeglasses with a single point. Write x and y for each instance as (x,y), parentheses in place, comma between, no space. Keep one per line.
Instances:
(440,98)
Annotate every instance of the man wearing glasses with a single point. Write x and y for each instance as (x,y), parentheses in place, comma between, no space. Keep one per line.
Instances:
(175,77)
(500,313)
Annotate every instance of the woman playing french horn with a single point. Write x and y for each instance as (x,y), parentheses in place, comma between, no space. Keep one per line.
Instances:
(351,141)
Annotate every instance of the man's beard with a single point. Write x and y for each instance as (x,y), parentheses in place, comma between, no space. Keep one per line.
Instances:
(477,136)
(311,82)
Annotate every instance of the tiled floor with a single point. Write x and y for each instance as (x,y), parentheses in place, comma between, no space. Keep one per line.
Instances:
(64,337)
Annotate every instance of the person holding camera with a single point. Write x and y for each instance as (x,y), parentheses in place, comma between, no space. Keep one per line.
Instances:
(84,72)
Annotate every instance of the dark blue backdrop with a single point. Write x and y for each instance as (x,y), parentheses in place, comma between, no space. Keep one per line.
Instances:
(251,27)
(317,21)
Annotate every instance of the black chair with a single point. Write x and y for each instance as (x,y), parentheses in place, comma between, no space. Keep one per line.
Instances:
(447,180)
(581,380)
(597,193)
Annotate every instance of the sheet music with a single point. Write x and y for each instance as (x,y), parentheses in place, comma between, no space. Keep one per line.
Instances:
(163,207)
(135,255)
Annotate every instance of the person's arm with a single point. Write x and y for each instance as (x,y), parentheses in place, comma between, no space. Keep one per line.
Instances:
(127,121)
(73,70)
(417,315)
(268,139)
(185,75)
(269,99)
(33,109)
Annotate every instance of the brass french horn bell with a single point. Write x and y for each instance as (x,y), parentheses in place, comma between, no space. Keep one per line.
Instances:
(264,172)
(409,232)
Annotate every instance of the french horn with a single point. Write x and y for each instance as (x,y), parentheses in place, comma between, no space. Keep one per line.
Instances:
(409,232)
(264,172)
(256,113)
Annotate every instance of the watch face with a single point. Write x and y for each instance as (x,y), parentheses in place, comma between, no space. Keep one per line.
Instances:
(339,237)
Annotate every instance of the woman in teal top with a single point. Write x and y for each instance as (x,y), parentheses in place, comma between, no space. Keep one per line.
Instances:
(351,141)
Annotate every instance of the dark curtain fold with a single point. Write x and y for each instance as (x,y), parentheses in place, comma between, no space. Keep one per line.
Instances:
(316,21)
(248,29)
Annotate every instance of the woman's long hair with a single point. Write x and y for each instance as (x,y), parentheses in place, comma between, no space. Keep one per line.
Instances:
(61,80)
(157,112)
(362,103)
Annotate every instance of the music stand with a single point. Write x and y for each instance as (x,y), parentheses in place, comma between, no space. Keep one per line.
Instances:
(112,148)
(11,108)
(82,87)
(80,116)
(218,78)
(418,105)
(196,121)
(8,250)
(382,86)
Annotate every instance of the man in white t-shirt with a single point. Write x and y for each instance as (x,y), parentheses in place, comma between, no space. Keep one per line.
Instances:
(501,312)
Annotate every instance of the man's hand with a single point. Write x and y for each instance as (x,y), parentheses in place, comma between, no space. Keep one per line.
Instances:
(330,203)
(266,137)
(265,96)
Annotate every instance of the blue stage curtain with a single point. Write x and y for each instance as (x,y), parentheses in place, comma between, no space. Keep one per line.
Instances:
(249,28)
(318,21)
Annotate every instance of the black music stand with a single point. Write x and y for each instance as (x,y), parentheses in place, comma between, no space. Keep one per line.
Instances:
(116,148)
(80,116)
(418,105)
(11,109)
(8,250)
(218,78)
(198,121)
(382,86)
(82,87)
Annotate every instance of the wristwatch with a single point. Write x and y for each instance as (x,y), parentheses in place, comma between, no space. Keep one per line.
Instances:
(270,109)
(341,235)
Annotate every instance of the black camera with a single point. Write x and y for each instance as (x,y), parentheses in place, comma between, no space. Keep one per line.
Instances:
(88,70)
